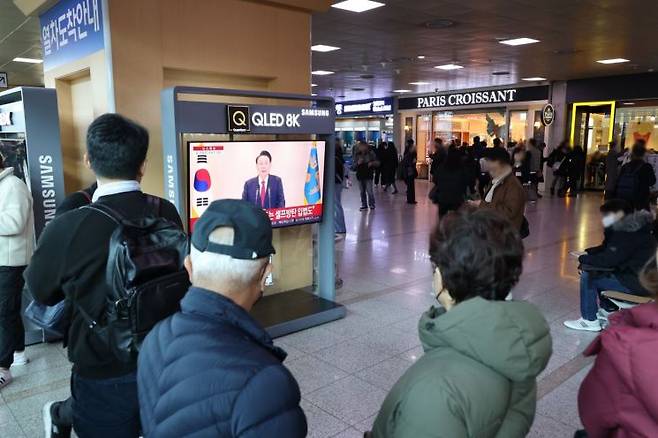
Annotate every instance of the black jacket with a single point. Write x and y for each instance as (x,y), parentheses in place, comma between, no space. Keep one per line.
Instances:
(76,200)
(70,261)
(646,178)
(211,370)
(340,169)
(450,189)
(627,247)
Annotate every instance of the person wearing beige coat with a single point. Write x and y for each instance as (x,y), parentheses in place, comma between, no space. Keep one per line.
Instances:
(16,247)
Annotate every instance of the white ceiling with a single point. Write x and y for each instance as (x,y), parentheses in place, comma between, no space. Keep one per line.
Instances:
(385,43)
(19,36)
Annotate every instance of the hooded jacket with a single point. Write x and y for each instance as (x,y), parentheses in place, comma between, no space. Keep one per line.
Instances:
(628,245)
(477,377)
(619,396)
(16,220)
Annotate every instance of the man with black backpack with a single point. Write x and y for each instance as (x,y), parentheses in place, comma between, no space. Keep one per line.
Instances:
(636,179)
(71,262)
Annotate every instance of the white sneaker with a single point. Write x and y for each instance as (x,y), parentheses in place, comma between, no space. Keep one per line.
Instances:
(5,377)
(20,358)
(583,324)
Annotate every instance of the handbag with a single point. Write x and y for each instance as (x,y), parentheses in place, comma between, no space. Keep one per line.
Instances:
(52,319)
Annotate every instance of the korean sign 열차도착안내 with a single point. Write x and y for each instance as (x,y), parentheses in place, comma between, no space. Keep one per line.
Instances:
(71,30)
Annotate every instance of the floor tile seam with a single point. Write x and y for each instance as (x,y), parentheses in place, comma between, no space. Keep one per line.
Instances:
(37,390)
(550,383)
(387,291)
(13,416)
(304,397)
(354,373)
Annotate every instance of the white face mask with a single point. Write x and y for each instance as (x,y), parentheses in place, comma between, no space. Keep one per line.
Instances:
(609,220)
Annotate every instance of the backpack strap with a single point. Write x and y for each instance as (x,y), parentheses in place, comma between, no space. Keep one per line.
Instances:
(107,211)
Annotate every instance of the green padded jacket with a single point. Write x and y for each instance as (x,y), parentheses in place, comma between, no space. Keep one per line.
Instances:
(477,378)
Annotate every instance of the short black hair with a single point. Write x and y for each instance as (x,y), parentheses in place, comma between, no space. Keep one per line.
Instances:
(479,254)
(497,142)
(264,154)
(410,141)
(615,205)
(116,146)
(639,149)
(498,155)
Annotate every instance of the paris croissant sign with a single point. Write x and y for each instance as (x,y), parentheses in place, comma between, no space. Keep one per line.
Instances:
(477,97)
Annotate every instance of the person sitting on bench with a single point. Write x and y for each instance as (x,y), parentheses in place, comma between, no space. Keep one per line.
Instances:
(614,265)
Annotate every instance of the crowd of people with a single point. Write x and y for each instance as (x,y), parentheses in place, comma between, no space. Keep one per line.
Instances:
(208,368)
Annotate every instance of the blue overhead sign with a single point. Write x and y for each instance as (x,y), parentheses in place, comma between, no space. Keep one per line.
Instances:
(368,107)
(71,30)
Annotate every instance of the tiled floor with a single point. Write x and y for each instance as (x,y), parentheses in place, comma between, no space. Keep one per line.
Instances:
(346,367)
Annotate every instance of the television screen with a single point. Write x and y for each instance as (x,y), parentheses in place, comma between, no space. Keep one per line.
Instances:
(285,178)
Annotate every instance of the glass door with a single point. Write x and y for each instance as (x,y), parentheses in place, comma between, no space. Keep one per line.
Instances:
(592,130)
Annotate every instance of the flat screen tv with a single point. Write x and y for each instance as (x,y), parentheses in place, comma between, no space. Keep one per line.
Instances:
(285,178)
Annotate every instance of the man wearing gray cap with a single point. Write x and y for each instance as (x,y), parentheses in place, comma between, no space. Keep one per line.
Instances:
(211,370)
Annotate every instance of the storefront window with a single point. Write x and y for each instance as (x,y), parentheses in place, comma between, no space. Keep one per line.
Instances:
(637,122)
(518,125)
(463,126)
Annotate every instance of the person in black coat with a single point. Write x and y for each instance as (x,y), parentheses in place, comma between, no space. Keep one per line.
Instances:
(521,165)
(576,176)
(559,165)
(211,370)
(380,152)
(636,179)
(389,167)
(450,181)
(615,265)
(410,173)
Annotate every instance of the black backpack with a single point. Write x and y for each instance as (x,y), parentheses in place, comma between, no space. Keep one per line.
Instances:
(628,183)
(145,276)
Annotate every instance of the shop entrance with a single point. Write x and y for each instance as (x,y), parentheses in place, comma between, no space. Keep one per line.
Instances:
(592,129)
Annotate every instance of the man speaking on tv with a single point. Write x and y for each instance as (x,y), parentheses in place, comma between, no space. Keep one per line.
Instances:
(265,190)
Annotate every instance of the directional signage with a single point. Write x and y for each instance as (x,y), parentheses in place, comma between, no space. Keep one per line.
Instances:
(4,80)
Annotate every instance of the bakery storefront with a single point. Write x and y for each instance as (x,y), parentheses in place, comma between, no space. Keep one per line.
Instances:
(511,114)
(617,108)
(368,120)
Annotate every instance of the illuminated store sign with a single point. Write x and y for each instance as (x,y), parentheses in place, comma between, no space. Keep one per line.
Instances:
(365,107)
(479,97)
(256,119)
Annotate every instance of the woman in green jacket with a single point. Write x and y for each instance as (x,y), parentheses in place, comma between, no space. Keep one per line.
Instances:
(477,377)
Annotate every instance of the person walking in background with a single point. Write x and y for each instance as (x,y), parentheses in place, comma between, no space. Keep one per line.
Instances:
(535,162)
(390,167)
(16,247)
(380,152)
(437,155)
(636,179)
(211,370)
(339,214)
(450,179)
(505,194)
(409,170)
(365,162)
(559,165)
(478,376)
(611,170)
(576,177)
(618,395)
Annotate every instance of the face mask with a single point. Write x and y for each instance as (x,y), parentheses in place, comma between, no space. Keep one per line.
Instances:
(608,220)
